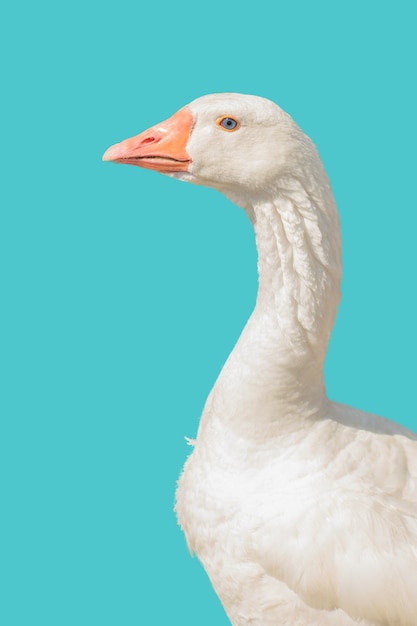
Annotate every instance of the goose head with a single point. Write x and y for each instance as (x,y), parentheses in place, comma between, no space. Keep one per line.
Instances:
(249,149)
(238,144)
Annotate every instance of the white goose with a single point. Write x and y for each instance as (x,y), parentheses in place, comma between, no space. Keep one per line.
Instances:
(302,511)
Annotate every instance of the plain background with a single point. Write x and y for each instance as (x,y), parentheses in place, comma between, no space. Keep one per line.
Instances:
(123,291)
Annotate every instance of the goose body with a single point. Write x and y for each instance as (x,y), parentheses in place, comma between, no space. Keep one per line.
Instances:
(303,511)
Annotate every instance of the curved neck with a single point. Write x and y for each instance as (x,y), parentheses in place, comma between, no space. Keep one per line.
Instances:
(275,372)
(299,265)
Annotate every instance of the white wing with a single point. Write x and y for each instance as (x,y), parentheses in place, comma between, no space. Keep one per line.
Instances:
(345,534)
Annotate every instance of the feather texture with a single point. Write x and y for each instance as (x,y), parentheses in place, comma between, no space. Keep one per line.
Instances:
(303,511)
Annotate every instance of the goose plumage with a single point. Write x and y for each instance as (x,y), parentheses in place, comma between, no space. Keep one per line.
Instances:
(303,511)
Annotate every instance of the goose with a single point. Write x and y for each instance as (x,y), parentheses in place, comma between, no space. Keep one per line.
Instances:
(303,511)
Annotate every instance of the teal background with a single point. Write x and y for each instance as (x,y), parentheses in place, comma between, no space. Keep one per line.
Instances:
(123,291)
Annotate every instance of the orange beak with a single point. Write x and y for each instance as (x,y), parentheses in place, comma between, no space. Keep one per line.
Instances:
(161,148)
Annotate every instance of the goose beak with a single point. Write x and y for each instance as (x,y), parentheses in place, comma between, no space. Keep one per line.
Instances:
(161,148)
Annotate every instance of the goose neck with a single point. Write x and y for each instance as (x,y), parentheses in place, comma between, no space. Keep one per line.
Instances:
(299,265)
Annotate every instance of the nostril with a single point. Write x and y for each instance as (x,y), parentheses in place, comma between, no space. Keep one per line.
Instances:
(149,139)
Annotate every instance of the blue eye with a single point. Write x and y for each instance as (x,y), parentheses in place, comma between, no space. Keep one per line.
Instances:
(228,123)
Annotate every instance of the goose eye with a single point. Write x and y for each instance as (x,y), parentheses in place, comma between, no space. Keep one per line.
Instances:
(228,123)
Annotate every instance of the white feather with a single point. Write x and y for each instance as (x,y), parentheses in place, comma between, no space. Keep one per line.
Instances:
(302,511)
